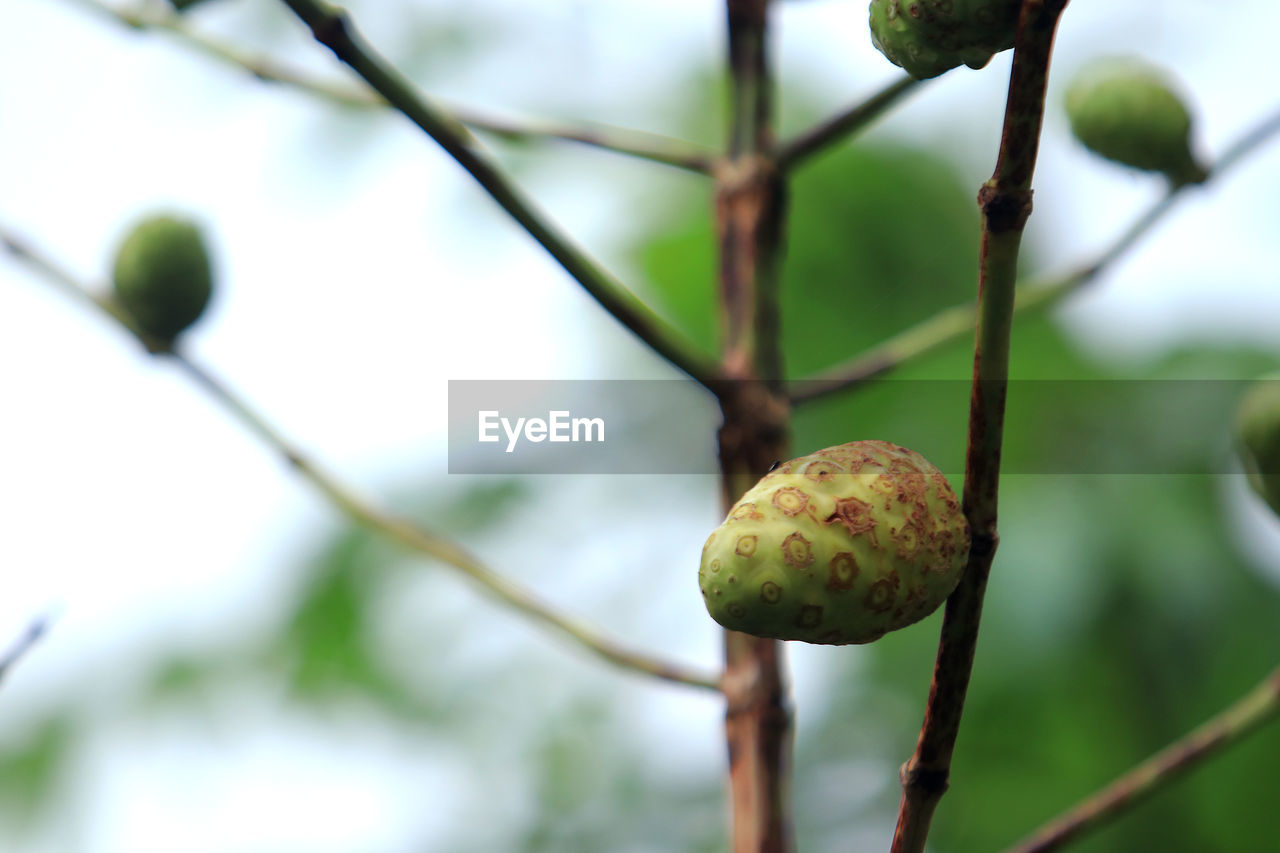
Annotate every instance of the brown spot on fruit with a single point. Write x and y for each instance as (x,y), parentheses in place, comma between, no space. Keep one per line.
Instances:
(797,551)
(855,515)
(844,571)
(746,546)
(821,471)
(770,592)
(882,593)
(745,511)
(810,616)
(790,500)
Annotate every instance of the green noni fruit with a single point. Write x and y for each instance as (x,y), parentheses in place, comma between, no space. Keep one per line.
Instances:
(928,37)
(840,546)
(1126,110)
(163,278)
(1257,430)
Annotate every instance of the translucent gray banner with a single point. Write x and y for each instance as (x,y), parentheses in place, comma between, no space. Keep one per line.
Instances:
(1067,427)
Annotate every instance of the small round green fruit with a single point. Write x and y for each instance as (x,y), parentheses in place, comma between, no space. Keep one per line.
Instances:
(1257,429)
(163,277)
(1127,111)
(837,547)
(928,37)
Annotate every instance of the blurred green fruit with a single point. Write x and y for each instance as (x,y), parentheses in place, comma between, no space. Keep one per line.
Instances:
(1258,438)
(163,277)
(928,37)
(1125,110)
(840,546)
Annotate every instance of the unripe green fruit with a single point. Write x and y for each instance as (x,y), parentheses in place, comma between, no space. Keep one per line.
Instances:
(1258,438)
(840,546)
(928,37)
(1125,110)
(163,278)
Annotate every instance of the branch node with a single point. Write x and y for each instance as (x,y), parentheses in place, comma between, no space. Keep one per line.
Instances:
(1004,209)
(930,781)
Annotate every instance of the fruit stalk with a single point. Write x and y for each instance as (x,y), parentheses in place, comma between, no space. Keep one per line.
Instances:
(1005,202)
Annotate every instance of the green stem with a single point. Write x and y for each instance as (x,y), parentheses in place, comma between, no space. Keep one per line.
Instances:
(1005,202)
(956,323)
(1232,725)
(398,529)
(646,146)
(796,152)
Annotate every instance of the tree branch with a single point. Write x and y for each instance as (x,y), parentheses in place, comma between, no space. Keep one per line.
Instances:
(750,208)
(22,645)
(1259,706)
(398,529)
(332,28)
(646,146)
(796,151)
(1005,202)
(953,324)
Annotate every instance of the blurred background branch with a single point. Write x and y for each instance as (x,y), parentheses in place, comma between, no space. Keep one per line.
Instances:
(633,143)
(1228,728)
(809,143)
(24,644)
(401,530)
(954,324)
(332,28)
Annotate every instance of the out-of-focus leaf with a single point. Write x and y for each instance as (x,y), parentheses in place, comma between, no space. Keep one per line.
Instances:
(29,770)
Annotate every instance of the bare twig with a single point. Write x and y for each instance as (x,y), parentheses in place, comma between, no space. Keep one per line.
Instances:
(402,530)
(22,645)
(750,205)
(1005,202)
(955,323)
(796,151)
(1259,706)
(332,28)
(646,146)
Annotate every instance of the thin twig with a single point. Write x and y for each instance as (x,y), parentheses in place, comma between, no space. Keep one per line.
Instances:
(332,28)
(797,150)
(22,645)
(646,146)
(401,530)
(955,323)
(1005,202)
(1229,727)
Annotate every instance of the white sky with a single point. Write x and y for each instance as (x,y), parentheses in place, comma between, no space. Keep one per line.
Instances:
(351,285)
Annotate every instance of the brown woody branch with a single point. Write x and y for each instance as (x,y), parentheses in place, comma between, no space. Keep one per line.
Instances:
(1005,203)
(749,217)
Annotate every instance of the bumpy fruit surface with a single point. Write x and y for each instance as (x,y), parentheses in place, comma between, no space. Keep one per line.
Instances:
(928,37)
(1126,110)
(1258,438)
(837,547)
(162,276)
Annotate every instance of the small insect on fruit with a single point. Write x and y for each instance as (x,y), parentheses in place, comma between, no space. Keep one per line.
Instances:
(840,546)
